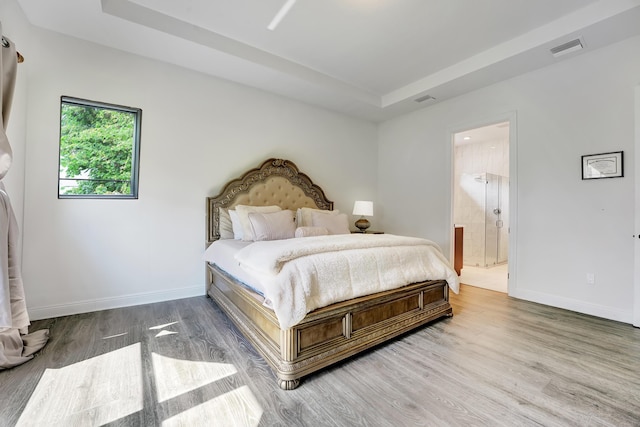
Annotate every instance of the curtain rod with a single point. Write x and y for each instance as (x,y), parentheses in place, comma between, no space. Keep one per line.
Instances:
(5,43)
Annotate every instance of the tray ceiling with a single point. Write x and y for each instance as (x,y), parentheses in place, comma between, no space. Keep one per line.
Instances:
(366,58)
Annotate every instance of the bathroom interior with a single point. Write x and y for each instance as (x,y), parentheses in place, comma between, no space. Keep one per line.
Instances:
(481,204)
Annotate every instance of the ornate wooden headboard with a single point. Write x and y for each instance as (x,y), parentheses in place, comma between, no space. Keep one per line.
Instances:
(275,182)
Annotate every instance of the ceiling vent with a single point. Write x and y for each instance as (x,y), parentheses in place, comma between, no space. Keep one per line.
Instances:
(568,47)
(424,98)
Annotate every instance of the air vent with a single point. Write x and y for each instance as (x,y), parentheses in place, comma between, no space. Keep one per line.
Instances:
(424,98)
(567,47)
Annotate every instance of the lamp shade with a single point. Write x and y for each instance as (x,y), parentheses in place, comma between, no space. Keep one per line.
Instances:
(363,208)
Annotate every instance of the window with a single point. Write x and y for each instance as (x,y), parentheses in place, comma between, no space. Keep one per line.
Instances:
(99,150)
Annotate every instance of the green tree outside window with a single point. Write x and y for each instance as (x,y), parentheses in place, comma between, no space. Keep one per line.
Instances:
(99,149)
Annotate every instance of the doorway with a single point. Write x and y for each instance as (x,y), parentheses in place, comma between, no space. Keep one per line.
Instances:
(481,204)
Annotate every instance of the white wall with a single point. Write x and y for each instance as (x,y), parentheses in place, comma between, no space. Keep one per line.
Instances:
(198,132)
(566,227)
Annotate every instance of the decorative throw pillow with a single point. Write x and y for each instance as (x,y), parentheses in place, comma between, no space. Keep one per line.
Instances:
(311,231)
(225,226)
(303,215)
(335,224)
(272,226)
(236,225)
(243,216)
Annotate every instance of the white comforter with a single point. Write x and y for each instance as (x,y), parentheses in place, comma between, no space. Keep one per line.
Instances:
(300,275)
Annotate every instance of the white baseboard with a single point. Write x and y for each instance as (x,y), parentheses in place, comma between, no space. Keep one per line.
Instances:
(625,316)
(47,312)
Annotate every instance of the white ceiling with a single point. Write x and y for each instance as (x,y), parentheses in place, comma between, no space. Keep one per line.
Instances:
(367,58)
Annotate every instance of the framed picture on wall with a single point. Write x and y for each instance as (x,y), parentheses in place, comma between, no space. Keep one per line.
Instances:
(603,165)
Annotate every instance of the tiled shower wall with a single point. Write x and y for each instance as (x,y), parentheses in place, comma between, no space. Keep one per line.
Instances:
(474,160)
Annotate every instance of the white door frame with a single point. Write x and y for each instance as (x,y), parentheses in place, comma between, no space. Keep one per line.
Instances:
(636,262)
(511,117)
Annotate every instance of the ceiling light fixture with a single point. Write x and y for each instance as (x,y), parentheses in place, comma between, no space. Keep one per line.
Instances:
(467,138)
(567,47)
(281,14)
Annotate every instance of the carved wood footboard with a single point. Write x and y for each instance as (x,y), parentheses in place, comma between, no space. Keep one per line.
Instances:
(332,333)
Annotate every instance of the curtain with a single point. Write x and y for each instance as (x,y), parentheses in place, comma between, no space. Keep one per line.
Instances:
(16,344)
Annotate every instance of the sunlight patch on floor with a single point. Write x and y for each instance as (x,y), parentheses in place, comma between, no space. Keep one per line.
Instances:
(238,408)
(176,376)
(162,326)
(115,336)
(110,387)
(95,391)
(164,333)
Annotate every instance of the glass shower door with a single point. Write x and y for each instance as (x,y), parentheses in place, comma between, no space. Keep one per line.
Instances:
(503,234)
(496,234)
(492,215)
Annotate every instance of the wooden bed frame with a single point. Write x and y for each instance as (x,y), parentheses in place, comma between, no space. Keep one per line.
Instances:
(326,335)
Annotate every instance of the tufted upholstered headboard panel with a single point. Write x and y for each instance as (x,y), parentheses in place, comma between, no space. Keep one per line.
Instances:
(275,182)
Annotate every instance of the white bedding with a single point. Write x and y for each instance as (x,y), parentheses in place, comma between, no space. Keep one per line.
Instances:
(222,253)
(303,274)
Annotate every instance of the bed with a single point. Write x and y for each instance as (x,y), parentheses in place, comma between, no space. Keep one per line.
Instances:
(326,334)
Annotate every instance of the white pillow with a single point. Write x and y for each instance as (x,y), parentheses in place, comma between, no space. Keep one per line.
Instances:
(311,231)
(303,215)
(225,227)
(335,224)
(243,216)
(236,225)
(272,226)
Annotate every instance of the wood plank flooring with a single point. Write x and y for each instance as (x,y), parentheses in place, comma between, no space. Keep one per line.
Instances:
(497,362)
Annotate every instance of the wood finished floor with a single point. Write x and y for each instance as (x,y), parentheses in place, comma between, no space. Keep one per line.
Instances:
(497,362)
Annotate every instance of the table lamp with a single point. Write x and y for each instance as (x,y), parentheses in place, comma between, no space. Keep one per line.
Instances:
(363,208)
